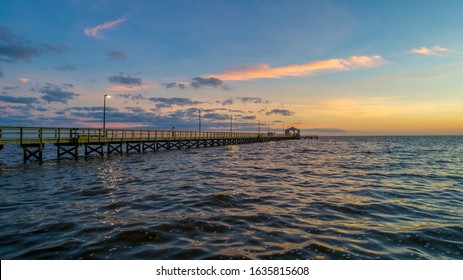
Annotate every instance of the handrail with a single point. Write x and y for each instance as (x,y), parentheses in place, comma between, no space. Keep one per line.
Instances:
(57,135)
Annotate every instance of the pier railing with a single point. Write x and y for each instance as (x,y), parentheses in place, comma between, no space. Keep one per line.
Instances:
(51,135)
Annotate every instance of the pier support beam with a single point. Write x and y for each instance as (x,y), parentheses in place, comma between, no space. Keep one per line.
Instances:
(114,148)
(132,146)
(147,146)
(94,148)
(162,144)
(32,151)
(67,149)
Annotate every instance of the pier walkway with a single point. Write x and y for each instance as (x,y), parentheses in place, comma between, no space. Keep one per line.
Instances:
(117,141)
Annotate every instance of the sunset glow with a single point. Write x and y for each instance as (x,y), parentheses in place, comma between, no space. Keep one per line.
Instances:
(326,67)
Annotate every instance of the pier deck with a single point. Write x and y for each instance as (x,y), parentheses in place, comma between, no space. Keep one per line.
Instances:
(68,140)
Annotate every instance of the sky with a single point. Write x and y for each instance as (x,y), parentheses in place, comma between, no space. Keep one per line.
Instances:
(327,67)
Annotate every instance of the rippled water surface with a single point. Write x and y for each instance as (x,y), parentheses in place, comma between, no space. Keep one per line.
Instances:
(332,198)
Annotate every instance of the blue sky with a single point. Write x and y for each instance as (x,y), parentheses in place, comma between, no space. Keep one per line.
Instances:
(328,67)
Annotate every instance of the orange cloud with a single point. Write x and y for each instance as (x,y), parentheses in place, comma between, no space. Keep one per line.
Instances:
(24,80)
(264,71)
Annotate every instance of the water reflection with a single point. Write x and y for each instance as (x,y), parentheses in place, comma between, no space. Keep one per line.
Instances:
(335,198)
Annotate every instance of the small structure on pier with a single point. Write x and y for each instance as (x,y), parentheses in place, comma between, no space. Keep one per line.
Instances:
(293,132)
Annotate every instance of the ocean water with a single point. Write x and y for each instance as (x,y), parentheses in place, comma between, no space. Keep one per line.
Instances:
(332,198)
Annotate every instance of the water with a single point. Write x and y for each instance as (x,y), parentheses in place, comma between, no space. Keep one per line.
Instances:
(333,198)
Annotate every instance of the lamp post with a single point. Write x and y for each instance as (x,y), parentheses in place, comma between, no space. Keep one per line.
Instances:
(268,131)
(231,124)
(199,112)
(259,128)
(104,109)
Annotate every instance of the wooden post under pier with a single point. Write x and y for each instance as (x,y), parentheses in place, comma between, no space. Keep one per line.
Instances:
(32,151)
(94,148)
(67,149)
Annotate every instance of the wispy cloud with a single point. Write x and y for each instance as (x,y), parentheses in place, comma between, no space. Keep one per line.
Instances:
(95,32)
(68,67)
(434,51)
(117,55)
(163,102)
(56,93)
(282,112)
(123,88)
(264,71)
(19,100)
(14,48)
(128,83)
(199,82)
(125,80)
(244,100)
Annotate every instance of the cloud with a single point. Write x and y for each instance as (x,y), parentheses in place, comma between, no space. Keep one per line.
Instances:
(264,71)
(24,80)
(10,88)
(93,109)
(135,97)
(117,55)
(163,102)
(282,112)
(228,102)
(255,100)
(199,82)
(18,100)
(434,51)
(14,48)
(95,31)
(58,49)
(180,85)
(131,87)
(136,110)
(125,80)
(55,93)
(216,116)
(68,67)
(245,100)
(249,117)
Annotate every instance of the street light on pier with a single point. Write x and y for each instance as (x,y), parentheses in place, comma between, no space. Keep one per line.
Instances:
(259,128)
(104,109)
(268,131)
(199,112)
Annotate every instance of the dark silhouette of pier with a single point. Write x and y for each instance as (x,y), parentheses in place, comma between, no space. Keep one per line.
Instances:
(103,142)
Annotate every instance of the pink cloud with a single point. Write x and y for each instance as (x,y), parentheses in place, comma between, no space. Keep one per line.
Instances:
(264,71)
(24,80)
(95,31)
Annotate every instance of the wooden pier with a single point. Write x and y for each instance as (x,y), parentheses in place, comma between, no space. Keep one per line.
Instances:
(103,142)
